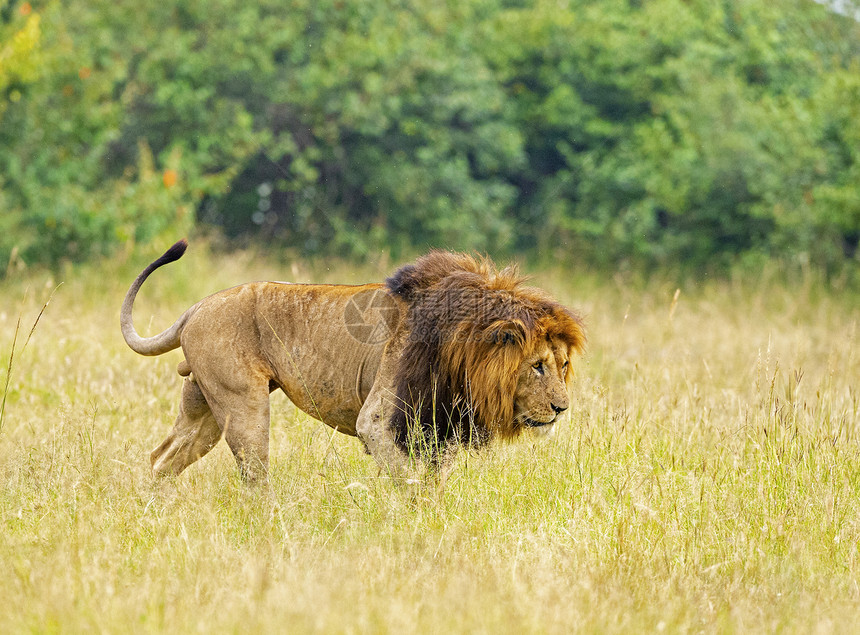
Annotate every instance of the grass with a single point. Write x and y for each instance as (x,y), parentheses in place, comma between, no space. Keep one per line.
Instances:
(707,478)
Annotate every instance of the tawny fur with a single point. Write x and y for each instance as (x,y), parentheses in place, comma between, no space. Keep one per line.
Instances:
(469,354)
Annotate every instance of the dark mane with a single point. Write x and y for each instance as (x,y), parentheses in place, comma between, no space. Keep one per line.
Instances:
(470,326)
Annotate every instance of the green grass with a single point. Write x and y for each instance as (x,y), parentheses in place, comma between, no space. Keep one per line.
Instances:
(707,478)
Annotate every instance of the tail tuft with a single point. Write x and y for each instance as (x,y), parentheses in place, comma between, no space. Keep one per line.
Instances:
(174,253)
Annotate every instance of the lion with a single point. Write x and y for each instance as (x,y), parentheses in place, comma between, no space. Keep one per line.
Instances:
(449,352)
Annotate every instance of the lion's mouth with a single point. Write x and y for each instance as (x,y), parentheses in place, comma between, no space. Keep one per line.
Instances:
(531,423)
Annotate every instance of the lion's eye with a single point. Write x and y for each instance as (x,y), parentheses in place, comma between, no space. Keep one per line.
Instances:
(564,366)
(538,367)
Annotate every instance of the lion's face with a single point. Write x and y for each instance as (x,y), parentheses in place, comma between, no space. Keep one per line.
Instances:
(541,392)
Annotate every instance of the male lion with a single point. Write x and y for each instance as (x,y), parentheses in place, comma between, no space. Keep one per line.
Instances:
(448,352)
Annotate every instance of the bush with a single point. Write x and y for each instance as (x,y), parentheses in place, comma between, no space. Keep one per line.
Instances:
(588,129)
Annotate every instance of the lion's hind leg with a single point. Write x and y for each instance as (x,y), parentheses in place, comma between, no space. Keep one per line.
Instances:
(242,411)
(194,434)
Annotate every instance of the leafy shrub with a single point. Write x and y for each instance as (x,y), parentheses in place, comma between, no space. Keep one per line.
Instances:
(588,129)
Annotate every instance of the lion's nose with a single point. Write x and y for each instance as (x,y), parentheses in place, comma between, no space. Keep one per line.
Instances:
(558,409)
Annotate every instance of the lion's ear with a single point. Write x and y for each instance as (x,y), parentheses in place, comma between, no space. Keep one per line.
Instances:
(506,332)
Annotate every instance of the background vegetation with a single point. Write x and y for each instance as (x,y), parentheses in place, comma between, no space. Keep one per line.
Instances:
(706,478)
(612,131)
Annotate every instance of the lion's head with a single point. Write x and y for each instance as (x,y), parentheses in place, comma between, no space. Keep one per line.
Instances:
(542,385)
(485,356)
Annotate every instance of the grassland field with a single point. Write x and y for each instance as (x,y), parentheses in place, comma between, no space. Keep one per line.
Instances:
(705,479)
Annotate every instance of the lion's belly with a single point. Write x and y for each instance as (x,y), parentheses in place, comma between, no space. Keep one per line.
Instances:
(325,404)
(342,420)
(332,393)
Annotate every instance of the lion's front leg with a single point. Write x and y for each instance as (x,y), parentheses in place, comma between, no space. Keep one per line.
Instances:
(372,427)
(443,464)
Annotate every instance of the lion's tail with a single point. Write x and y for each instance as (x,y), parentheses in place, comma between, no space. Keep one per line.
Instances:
(166,340)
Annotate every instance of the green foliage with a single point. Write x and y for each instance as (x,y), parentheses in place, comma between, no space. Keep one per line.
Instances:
(19,49)
(386,125)
(68,196)
(697,142)
(616,130)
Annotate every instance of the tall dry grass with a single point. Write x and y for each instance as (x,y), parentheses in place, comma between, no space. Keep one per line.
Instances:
(707,478)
